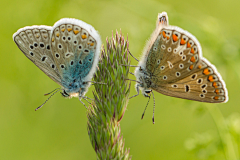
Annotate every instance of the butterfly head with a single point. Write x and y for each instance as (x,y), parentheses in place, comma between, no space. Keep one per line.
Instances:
(75,89)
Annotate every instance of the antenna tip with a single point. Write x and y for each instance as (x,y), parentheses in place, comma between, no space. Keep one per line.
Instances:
(153,120)
(142,116)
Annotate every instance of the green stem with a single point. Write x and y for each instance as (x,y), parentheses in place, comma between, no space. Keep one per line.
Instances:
(229,146)
(110,101)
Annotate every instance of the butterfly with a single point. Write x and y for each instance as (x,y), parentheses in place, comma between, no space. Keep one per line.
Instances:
(68,53)
(172,64)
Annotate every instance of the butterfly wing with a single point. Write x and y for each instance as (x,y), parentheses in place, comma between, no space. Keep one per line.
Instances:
(34,42)
(178,69)
(76,47)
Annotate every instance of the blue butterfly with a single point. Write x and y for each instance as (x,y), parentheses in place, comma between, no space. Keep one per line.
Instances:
(68,53)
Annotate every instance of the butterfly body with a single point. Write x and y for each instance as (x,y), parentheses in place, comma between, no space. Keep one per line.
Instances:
(172,64)
(68,53)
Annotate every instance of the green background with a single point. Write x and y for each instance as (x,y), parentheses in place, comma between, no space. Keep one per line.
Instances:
(58,130)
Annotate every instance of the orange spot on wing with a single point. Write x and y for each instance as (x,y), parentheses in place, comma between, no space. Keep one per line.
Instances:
(175,38)
(206,71)
(76,31)
(91,44)
(188,45)
(164,34)
(192,50)
(216,97)
(192,59)
(69,29)
(210,78)
(191,67)
(167,38)
(52,39)
(199,66)
(37,36)
(63,29)
(84,36)
(217,91)
(182,42)
(57,34)
(215,84)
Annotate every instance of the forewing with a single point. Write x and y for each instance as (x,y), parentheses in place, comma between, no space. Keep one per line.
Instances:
(34,42)
(174,55)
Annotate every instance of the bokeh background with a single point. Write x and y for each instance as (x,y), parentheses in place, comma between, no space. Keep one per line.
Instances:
(183,129)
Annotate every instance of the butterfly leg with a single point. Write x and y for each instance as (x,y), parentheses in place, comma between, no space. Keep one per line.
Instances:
(82,102)
(137,88)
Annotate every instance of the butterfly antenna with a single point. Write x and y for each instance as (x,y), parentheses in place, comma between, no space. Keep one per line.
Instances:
(153,108)
(47,99)
(133,80)
(97,82)
(51,92)
(133,56)
(145,107)
(131,73)
(128,65)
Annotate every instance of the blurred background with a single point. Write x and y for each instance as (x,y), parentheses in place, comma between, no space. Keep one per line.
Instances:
(183,129)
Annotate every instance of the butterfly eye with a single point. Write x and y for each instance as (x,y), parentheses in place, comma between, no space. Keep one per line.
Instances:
(140,68)
(147,92)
